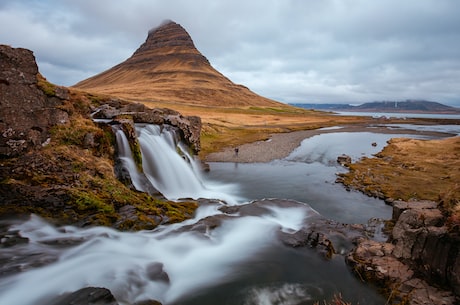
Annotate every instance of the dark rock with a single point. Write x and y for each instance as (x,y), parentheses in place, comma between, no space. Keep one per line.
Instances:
(344,160)
(147,302)
(12,238)
(87,296)
(155,272)
(422,257)
(26,112)
(326,236)
(189,126)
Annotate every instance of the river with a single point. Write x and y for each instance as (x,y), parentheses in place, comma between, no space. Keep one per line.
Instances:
(239,262)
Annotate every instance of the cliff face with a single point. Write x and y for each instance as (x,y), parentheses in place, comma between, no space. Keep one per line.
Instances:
(26,112)
(167,67)
(420,257)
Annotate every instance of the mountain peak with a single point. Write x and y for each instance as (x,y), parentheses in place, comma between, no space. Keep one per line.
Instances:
(167,67)
(167,35)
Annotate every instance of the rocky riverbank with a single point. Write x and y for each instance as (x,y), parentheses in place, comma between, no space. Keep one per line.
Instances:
(419,264)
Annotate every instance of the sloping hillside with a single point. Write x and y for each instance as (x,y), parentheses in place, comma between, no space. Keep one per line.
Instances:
(168,67)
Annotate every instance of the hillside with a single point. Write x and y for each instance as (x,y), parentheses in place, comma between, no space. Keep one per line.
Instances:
(167,67)
(408,106)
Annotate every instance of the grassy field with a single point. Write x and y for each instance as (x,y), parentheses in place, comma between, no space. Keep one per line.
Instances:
(413,169)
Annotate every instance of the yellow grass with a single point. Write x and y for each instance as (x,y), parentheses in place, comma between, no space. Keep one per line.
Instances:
(232,126)
(412,169)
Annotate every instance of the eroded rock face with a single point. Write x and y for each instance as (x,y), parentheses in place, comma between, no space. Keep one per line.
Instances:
(422,255)
(26,113)
(189,126)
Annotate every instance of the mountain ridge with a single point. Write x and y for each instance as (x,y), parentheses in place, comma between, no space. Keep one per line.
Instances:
(407,106)
(168,67)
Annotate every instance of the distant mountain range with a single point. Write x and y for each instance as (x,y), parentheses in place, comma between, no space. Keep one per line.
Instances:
(407,106)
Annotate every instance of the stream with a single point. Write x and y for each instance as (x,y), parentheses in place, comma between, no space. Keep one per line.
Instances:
(241,261)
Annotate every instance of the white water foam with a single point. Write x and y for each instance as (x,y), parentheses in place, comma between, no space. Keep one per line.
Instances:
(170,168)
(121,261)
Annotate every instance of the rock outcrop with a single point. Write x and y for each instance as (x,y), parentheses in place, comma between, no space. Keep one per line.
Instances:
(420,257)
(189,126)
(26,112)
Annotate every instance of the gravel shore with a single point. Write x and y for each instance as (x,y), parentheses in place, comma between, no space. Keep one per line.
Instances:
(280,145)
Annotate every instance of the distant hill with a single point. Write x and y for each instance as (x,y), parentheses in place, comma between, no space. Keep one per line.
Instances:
(167,67)
(408,106)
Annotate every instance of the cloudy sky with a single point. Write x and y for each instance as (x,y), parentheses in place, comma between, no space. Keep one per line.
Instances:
(306,51)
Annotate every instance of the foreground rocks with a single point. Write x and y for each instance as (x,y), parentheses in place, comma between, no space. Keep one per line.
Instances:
(94,296)
(420,264)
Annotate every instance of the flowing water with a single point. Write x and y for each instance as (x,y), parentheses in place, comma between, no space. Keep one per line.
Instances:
(169,167)
(239,262)
(308,175)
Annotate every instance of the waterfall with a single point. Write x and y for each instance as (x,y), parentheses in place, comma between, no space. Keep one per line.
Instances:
(126,156)
(168,166)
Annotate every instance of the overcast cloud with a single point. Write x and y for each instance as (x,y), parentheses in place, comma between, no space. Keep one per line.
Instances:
(306,51)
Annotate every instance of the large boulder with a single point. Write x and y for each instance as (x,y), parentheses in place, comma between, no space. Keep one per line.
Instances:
(26,112)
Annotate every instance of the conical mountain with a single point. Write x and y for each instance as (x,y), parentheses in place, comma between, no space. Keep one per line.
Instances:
(167,67)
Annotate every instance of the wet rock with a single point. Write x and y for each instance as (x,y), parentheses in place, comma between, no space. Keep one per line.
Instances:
(87,296)
(12,238)
(155,272)
(344,160)
(147,302)
(189,126)
(326,236)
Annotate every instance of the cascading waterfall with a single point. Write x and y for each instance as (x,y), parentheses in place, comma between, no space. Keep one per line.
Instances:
(168,166)
(126,156)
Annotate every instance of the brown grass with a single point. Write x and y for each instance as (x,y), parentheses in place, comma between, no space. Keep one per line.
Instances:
(412,169)
(233,126)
